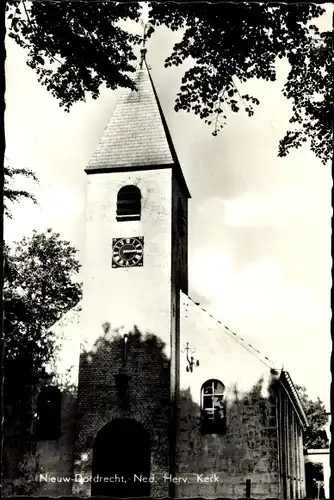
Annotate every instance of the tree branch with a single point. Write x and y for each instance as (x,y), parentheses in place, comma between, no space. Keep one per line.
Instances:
(30,24)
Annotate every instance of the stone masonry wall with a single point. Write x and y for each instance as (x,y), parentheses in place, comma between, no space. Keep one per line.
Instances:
(247,450)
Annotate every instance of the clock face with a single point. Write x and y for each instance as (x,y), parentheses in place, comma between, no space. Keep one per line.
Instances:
(127,252)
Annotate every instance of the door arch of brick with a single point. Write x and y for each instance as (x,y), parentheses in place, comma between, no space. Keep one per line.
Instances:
(121,455)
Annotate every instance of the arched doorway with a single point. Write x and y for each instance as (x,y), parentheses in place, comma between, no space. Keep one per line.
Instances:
(121,452)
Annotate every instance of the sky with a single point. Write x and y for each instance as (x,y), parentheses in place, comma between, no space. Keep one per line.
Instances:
(259,225)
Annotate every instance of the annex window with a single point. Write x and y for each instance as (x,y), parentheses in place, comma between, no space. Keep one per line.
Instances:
(128,203)
(213,411)
(48,413)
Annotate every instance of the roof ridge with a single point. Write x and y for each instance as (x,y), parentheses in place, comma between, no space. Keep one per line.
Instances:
(76,308)
(237,338)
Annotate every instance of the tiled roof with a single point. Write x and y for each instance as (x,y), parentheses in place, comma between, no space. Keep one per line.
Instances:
(137,134)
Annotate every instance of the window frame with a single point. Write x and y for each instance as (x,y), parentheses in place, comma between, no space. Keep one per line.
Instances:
(128,203)
(213,418)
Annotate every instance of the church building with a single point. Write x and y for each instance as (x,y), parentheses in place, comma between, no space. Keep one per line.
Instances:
(168,401)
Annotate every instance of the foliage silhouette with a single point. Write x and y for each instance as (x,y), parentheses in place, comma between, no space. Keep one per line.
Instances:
(39,287)
(315,435)
(314,478)
(229,44)
(10,192)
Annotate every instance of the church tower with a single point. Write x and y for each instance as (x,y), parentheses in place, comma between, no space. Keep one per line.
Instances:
(134,269)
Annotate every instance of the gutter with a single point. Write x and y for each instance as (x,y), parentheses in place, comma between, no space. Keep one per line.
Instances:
(292,392)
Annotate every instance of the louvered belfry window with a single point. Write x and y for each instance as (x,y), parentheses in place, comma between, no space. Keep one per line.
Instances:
(213,416)
(128,203)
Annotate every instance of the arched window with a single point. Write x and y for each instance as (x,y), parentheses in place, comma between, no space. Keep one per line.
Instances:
(48,413)
(128,203)
(213,411)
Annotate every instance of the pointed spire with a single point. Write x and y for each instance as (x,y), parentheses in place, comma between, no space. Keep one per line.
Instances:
(137,136)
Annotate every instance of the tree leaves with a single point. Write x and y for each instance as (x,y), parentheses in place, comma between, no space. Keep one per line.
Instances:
(39,288)
(11,194)
(314,436)
(243,41)
(75,47)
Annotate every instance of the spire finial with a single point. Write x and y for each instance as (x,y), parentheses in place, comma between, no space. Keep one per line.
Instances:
(143,50)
